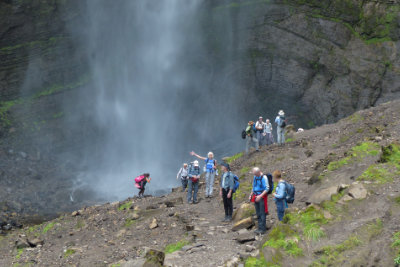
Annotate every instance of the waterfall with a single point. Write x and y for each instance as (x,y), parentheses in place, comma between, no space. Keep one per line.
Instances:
(155,93)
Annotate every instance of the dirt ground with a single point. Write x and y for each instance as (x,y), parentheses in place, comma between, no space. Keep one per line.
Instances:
(116,233)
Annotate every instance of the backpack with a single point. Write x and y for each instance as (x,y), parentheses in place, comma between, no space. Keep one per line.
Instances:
(237,183)
(244,134)
(139,179)
(282,122)
(270,183)
(290,192)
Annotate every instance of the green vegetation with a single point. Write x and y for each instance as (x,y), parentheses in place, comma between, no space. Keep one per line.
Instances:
(56,88)
(373,229)
(396,246)
(332,207)
(125,206)
(283,237)
(255,262)
(58,115)
(80,224)
(397,200)
(19,253)
(41,43)
(310,220)
(129,222)
(175,246)
(243,191)
(288,140)
(387,169)
(332,255)
(244,170)
(69,252)
(48,227)
(355,154)
(234,157)
(4,109)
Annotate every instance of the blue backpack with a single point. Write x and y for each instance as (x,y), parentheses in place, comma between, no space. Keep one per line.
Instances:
(237,183)
(290,192)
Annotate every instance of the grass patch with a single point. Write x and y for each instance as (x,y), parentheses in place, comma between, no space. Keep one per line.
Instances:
(285,238)
(56,88)
(69,252)
(245,170)
(129,222)
(379,173)
(48,227)
(288,140)
(256,262)
(344,139)
(310,220)
(332,255)
(4,110)
(397,200)
(396,246)
(373,229)
(331,205)
(19,253)
(243,191)
(175,246)
(391,154)
(80,224)
(355,154)
(356,118)
(234,157)
(125,206)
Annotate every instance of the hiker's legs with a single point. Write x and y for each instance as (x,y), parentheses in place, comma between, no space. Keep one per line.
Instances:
(189,192)
(261,218)
(256,144)
(208,178)
(210,185)
(184,184)
(259,136)
(281,135)
(196,188)
(248,143)
(271,136)
(230,206)
(280,208)
(225,199)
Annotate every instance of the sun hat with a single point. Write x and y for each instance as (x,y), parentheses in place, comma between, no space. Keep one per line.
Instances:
(281,113)
(196,163)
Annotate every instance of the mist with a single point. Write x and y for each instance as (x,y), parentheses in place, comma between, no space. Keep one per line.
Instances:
(155,94)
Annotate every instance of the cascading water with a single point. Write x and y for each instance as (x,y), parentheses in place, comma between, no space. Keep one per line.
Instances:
(155,93)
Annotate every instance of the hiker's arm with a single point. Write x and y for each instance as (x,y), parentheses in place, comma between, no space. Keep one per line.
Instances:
(229,193)
(179,173)
(197,156)
(280,193)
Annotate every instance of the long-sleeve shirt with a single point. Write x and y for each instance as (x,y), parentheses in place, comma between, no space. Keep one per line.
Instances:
(268,128)
(227,181)
(260,184)
(194,171)
(281,190)
(183,173)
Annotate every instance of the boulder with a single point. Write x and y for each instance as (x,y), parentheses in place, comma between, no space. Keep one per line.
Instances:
(132,263)
(75,213)
(189,227)
(322,195)
(172,259)
(154,258)
(153,224)
(243,224)
(174,202)
(245,210)
(35,242)
(134,216)
(233,262)
(358,191)
(244,238)
(22,243)
(345,199)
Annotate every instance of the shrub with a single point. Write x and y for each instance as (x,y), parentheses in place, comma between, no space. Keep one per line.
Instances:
(175,246)
(234,157)
(283,237)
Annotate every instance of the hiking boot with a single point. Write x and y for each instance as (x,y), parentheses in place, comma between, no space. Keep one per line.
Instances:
(259,232)
(229,219)
(224,220)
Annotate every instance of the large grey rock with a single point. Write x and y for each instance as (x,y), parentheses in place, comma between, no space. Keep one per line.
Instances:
(322,195)
(243,224)
(358,191)
(245,210)
(172,259)
(244,238)
(154,258)
(133,263)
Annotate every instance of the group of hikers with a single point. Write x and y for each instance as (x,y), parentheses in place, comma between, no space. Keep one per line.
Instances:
(262,186)
(260,132)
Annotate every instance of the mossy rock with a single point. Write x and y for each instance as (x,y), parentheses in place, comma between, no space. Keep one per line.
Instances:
(154,258)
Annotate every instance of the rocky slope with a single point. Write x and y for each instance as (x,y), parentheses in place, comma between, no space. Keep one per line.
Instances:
(346,211)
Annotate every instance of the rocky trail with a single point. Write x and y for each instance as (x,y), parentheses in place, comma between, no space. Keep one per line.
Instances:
(346,211)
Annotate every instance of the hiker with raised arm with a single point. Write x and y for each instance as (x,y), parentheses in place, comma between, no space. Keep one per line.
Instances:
(183,176)
(193,183)
(141,181)
(280,121)
(259,195)
(210,169)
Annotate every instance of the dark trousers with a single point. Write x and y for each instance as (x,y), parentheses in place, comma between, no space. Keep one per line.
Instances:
(192,187)
(280,208)
(261,216)
(184,184)
(228,202)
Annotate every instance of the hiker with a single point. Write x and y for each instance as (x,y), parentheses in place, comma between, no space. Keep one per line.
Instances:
(259,130)
(226,190)
(193,183)
(210,170)
(141,182)
(259,195)
(269,137)
(280,194)
(250,138)
(183,175)
(280,129)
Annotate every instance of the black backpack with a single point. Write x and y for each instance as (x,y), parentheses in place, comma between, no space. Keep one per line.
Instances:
(244,134)
(282,121)
(270,183)
(290,192)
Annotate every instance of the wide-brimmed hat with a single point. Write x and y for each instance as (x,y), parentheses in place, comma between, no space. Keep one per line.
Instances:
(281,113)
(196,163)
(226,165)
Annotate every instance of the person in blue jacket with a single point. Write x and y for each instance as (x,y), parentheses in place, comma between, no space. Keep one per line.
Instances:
(210,169)
(280,194)
(193,183)
(260,198)
(227,185)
